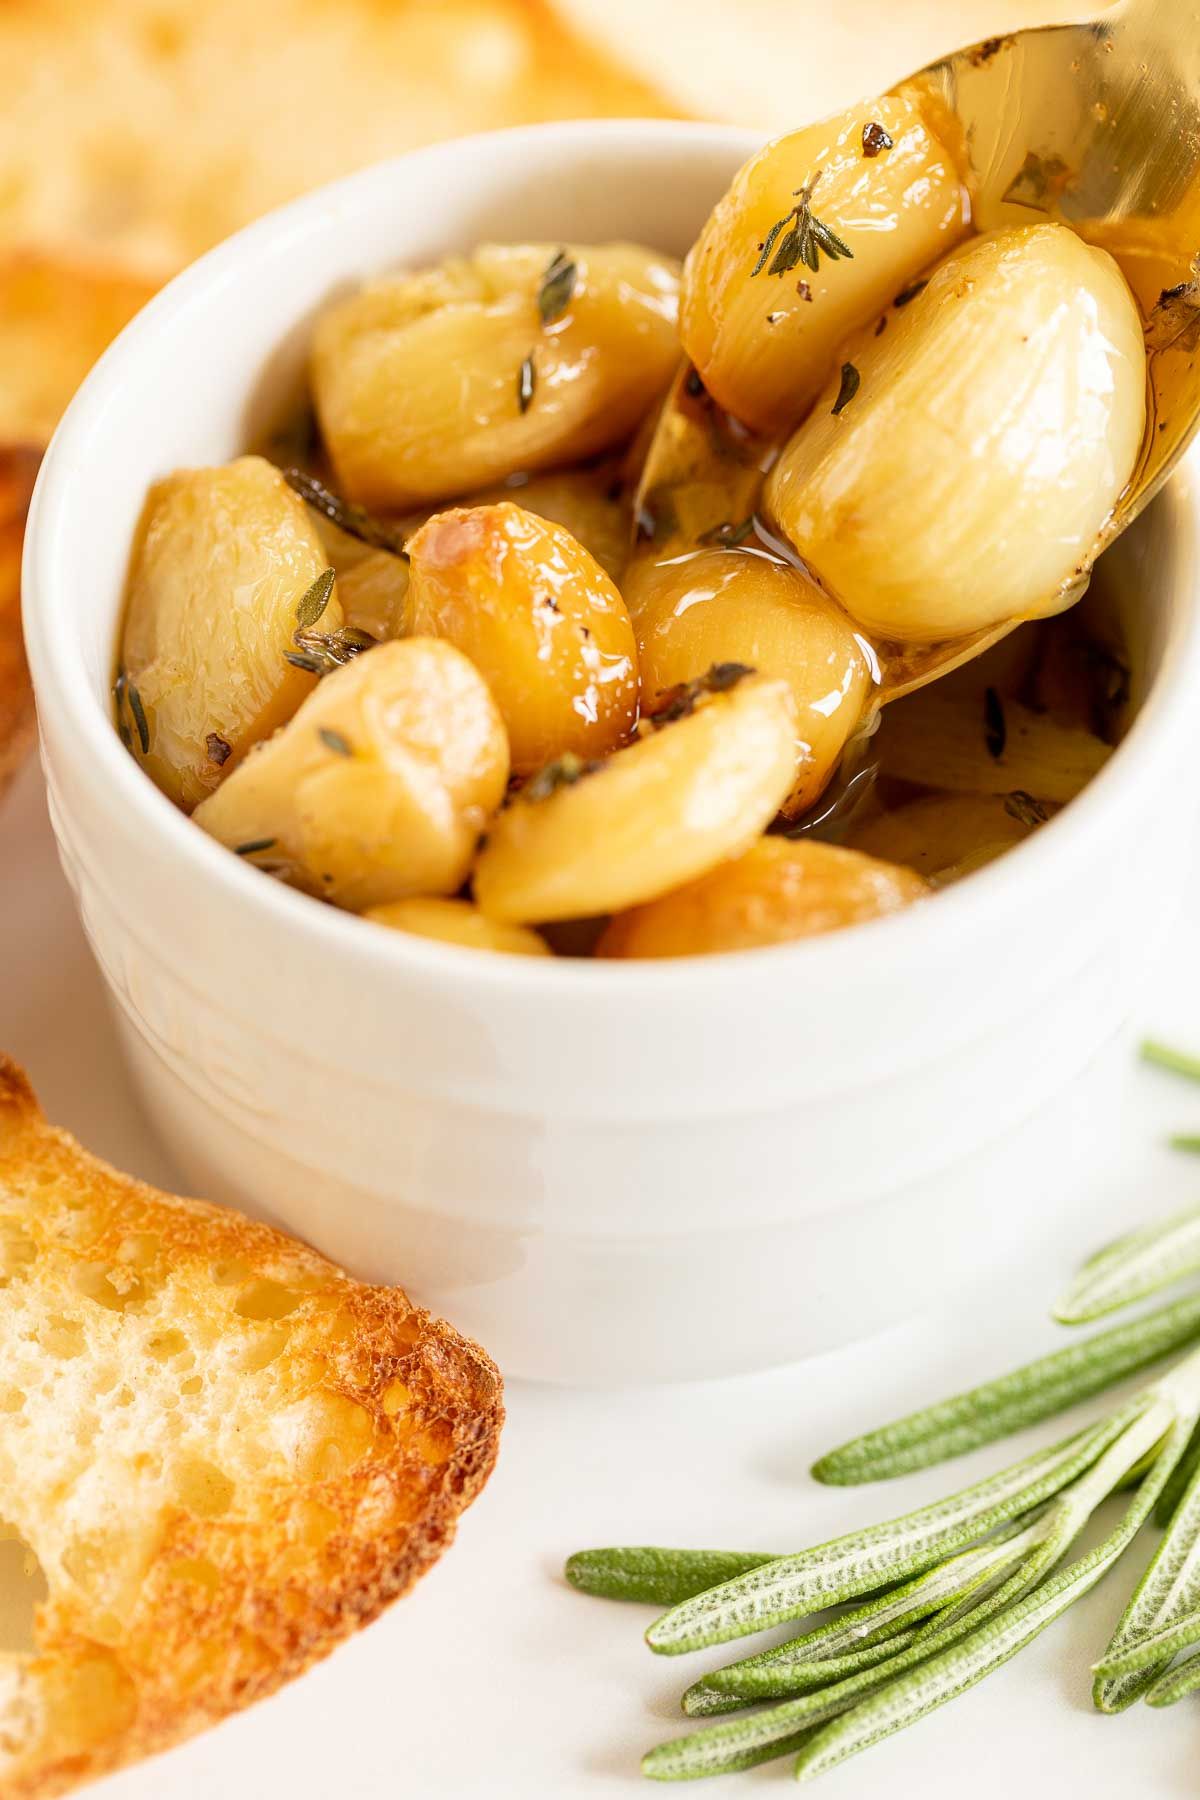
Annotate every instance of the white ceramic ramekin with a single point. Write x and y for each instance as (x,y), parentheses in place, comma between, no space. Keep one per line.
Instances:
(607,1172)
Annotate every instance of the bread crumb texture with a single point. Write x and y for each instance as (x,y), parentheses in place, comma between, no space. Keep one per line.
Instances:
(219,1455)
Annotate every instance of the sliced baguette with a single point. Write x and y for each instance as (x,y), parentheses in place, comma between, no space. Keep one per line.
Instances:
(219,1455)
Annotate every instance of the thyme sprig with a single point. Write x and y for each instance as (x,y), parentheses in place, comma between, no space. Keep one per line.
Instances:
(800,237)
(948,1593)
(354,520)
(320,652)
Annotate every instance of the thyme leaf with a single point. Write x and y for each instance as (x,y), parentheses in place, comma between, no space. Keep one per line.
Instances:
(679,702)
(558,285)
(253,847)
(800,237)
(850,382)
(300,659)
(333,740)
(139,716)
(564,771)
(910,293)
(219,751)
(355,521)
(314,600)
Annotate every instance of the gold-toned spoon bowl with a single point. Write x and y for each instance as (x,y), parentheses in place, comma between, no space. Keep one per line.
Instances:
(1095,126)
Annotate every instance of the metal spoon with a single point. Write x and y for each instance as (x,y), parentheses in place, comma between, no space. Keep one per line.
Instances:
(1096,125)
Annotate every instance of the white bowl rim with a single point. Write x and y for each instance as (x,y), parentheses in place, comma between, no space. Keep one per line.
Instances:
(61,681)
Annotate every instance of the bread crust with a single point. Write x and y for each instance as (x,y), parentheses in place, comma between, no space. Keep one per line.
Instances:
(18,471)
(229,1606)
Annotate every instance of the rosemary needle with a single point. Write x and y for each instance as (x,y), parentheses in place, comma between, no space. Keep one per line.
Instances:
(1163,1057)
(1136,1265)
(660,1577)
(949,1674)
(847,1567)
(997,1408)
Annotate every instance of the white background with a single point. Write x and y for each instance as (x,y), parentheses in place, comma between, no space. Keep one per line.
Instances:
(495,1679)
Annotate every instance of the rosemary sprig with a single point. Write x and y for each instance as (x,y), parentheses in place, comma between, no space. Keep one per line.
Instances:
(948,1593)
(1167,1595)
(955,1670)
(847,1567)
(799,237)
(956,1649)
(879,1628)
(773,1733)
(998,1408)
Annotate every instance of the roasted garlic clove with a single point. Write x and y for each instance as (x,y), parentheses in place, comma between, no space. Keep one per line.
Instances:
(761,323)
(582,839)
(540,620)
(744,605)
(775,892)
(964,479)
(380,786)
(593,503)
(458,922)
(431,384)
(222,560)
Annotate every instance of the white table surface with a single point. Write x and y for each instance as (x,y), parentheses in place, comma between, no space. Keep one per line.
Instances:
(493,1678)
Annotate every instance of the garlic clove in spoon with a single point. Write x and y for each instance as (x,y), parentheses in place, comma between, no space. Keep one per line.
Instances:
(958,475)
